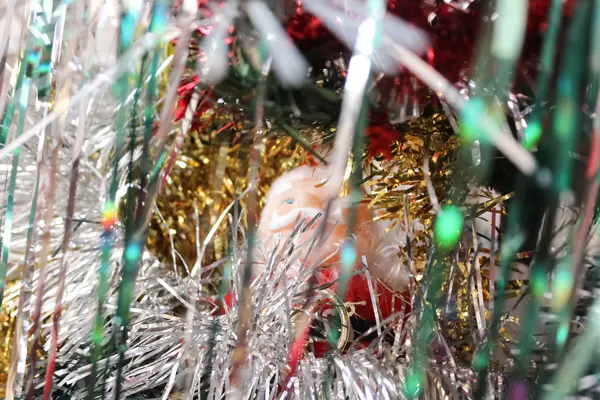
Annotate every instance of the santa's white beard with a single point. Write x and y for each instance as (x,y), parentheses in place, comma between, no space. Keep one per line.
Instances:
(279,221)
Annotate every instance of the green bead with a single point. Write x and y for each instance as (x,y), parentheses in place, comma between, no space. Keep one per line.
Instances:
(348,256)
(133,252)
(471,128)
(532,135)
(565,119)
(562,285)
(480,361)
(97,335)
(538,283)
(448,227)
(413,384)
(562,334)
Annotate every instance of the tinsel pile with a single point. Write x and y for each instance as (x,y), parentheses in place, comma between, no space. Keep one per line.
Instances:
(143,142)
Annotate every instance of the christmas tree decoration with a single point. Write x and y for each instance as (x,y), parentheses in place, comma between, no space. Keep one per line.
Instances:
(205,181)
(299,199)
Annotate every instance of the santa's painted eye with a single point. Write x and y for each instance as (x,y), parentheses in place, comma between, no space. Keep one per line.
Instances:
(289,201)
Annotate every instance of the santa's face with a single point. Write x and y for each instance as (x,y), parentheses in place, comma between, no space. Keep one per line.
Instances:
(300,194)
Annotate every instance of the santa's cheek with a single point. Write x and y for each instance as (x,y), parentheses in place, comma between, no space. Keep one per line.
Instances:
(312,202)
(266,224)
(285,208)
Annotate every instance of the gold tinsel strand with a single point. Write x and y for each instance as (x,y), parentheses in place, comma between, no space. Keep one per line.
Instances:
(7,325)
(401,179)
(8,320)
(209,175)
(195,183)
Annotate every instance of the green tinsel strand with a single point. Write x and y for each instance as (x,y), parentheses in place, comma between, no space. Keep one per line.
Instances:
(109,211)
(534,125)
(135,239)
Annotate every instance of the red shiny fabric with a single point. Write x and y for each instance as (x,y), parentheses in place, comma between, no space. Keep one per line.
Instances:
(389,302)
(359,293)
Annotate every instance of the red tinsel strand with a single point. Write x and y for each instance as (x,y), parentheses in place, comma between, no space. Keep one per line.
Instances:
(452,27)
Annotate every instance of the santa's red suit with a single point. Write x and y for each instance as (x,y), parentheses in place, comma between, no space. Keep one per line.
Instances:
(302,193)
(388,301)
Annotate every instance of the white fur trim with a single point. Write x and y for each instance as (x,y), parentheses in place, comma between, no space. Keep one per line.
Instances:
(384,263)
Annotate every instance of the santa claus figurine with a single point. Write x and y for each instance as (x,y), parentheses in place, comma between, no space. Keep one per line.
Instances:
(301,195)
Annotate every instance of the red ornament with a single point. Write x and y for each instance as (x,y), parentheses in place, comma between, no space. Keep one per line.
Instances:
(381,135)
(381,139)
